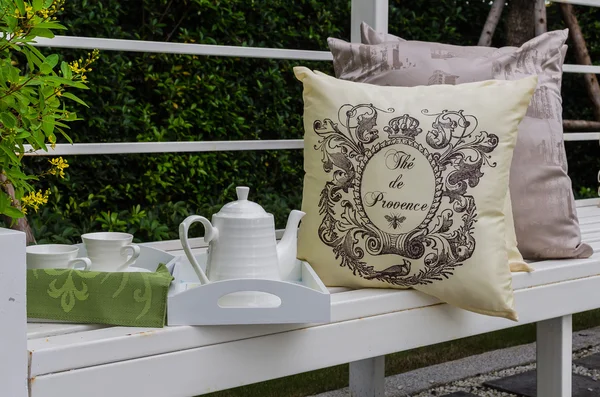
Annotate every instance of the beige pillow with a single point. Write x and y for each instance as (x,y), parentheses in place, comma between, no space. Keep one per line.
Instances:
(545,217)
(356,62)
(406,186)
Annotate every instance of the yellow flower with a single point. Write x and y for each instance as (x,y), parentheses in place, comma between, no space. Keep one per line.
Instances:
(34,200)
(52,140)
(80,67)
(46,13)
(76,68)
(58,166)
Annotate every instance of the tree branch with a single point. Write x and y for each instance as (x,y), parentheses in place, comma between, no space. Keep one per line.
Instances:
(540,17)
(581,125)
(490,24)
(21,223)
(582,55)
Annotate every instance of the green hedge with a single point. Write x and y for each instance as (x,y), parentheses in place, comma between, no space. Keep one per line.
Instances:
(155,97)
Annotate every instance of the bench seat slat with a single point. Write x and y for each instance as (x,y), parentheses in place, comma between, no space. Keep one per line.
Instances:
(590,228)
(591,237)
(588,210)
(589,202)
(589,220)
(45,330)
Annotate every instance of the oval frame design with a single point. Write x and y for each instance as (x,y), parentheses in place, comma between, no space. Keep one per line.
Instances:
(436,172)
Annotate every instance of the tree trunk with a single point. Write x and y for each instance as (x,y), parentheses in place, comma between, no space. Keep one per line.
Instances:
(581,125)
(540,17)
(519,18)
(490,24)
(583,56)
(21,223)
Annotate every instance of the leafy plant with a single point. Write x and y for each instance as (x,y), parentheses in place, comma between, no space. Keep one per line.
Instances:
(32,92)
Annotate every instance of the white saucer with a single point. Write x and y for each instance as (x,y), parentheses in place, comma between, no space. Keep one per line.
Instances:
(137,269)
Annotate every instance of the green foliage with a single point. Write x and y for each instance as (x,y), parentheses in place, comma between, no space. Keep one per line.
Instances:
(155,97)
(31,89)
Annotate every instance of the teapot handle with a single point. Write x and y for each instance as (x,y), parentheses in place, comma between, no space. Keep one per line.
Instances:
(210,233)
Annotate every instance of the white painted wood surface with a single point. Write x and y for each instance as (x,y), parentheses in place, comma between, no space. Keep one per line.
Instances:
(13,316)
(308,301)
(191,356)
(554,349)
(205,369)
(592,3)
(373,12)
(584,205)
(367,377)
(581,136)
(180,48)
(65,149)
(581,69)
(46,330)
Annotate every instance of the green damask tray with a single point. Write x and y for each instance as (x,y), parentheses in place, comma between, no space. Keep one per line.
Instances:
(119,298)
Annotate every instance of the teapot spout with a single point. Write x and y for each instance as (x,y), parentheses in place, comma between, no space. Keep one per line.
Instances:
(287,248)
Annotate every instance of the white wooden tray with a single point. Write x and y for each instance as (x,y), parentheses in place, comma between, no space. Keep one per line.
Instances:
(191,303)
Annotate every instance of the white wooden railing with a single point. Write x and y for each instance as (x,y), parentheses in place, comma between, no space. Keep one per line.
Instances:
(374,12)
(13,347)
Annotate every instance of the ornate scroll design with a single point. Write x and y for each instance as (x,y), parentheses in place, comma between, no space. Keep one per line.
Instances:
(456,152)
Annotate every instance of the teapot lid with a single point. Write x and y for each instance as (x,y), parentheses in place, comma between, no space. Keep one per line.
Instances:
(242,207)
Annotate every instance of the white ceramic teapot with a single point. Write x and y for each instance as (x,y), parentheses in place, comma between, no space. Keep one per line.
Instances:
(242,242)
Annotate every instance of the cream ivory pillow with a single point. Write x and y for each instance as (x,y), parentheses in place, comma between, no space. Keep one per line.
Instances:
(406,186)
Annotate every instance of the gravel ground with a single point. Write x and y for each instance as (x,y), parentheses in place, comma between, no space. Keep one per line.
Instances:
(470,373)
(586,352)
(508,362)
(474,385)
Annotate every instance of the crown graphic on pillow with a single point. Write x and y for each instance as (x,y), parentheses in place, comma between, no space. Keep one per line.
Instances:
(403,127)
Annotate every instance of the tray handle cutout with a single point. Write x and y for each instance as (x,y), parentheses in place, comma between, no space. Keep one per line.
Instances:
(248,299)
(199,305)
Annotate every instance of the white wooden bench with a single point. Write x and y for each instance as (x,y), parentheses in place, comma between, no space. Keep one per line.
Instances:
(64,360)
(74,360)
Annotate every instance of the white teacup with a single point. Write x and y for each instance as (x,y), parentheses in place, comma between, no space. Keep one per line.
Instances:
(108,250)
(55,256)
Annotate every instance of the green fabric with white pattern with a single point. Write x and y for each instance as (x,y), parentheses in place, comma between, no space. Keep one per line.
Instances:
(137,299)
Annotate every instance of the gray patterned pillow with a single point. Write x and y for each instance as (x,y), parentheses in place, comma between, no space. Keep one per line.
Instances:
(543,205)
